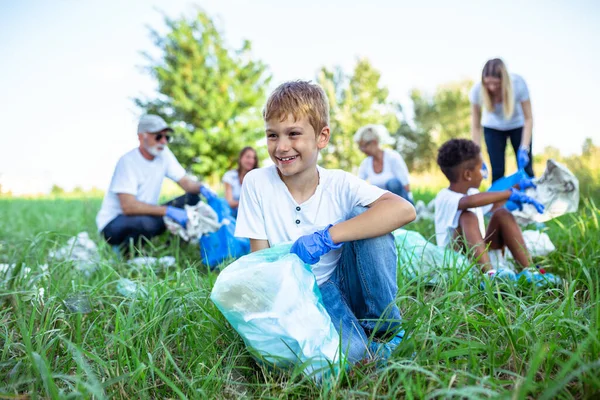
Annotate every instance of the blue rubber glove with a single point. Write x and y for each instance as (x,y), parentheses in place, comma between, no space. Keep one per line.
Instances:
(521,198)
(178,215)
(207,193)
(522,157)
(526,183)
(484,170)
(311,247)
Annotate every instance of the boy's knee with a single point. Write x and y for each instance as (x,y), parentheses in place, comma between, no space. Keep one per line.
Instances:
(468,218)
(503,214)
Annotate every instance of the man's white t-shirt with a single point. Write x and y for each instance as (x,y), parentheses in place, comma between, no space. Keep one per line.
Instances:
(393,167)
(447,214)
(139,177)
(233,178)
(268,211)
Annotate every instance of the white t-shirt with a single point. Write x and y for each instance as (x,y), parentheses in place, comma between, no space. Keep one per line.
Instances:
(140,177)
(233,178)
(393,167)
(268,211)
(495,120)
(447,214)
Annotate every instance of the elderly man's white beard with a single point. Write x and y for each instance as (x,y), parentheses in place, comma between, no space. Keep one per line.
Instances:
(155,151)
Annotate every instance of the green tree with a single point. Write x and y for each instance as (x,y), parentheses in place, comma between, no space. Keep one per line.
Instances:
(56,190)
(437,118)
(212,95)
(354,101)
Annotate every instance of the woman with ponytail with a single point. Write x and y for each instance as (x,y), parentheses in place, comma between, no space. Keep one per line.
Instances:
(500,103)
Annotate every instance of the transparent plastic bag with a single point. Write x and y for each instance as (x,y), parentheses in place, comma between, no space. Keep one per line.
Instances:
(423,260)
(272,300)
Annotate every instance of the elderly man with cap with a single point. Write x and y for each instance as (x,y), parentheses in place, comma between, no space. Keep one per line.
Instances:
(129,210)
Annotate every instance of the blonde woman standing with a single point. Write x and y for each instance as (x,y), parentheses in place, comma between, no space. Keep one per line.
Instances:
(500,104)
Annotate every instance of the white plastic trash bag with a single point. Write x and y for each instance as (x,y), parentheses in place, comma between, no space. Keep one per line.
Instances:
(557,189)
(419,258)
(272,300)
(201,219)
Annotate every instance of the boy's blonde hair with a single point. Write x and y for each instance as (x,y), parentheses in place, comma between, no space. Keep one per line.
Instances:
(497,69)
(300,99)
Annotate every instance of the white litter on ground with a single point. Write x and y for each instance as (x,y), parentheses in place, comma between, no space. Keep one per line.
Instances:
(201,219)
(81,250)
(165,262)
(426,212)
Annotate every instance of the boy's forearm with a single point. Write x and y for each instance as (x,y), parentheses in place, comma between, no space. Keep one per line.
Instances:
(483,199)
(384,216)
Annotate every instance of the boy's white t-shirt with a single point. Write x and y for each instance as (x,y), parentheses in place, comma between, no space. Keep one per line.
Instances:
(140,177)
(267,210)
(233,178)
(447,214)
(393,167)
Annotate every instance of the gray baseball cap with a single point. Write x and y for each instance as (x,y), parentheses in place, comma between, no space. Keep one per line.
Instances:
(151,124)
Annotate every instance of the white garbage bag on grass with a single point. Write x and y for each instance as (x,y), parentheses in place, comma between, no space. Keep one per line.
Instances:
(557,189)
(419,258)
(272,300)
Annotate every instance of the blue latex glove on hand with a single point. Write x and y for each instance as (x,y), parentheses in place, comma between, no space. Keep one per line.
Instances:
(522,157)
(526,183)
(484,171)
(207,193)
(178,215)
(521,198)
(311,247)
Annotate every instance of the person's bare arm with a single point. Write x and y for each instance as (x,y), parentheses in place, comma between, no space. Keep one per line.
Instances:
(258,244)
(189,185)
(484,199)
(528,127)
(387,213)
(476,123)
(131,206)
(229,196)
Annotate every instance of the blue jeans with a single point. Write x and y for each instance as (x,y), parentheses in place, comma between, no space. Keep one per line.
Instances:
(360,296)
(396,187)
(125,228)
(495,141)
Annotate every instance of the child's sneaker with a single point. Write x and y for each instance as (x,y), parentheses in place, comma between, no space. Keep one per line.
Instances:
(506,276)
(539,277)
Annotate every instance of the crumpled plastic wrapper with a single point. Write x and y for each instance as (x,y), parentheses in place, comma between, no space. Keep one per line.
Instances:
(81,250)
(272,300)
(557,189)
(201,219)
(425,211)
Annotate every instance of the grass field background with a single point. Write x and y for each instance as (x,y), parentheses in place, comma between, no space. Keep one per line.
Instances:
(173,342)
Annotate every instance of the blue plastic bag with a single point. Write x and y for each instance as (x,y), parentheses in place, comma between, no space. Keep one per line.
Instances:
(507,182)
(221,245)
(272,300)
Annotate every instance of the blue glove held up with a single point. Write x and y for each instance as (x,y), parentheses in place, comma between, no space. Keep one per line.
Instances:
(526,183)
(178,215)
(207,193)
(521,198)
(484,170)
(522,157)
(311,247)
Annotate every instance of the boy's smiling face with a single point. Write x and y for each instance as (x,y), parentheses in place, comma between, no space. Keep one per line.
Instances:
(293,145)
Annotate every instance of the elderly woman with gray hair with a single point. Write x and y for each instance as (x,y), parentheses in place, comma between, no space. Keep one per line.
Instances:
(384,168)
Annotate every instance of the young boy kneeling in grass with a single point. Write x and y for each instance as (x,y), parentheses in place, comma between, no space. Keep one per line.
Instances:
(459,211)
(341,225)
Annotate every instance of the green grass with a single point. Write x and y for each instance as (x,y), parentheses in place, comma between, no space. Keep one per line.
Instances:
(173,343)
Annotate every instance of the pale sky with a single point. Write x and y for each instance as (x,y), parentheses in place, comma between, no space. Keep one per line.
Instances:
(70,68)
